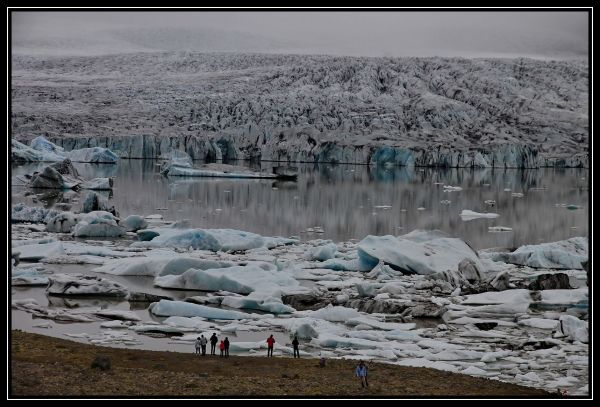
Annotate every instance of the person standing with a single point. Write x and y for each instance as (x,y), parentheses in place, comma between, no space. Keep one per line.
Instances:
(222,348)
(203,343)
(361,373)
(197,345)
(226,347)
(213,343)
(270,342)
(295,344)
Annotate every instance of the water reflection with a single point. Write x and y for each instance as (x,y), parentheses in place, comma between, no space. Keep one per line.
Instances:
(350,201)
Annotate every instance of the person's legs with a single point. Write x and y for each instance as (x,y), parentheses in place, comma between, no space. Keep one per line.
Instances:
(366,382)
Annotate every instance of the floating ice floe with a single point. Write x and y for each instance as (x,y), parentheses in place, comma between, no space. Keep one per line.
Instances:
(64,222)
(445,202)
(36,252)
(28,277)
(420,252)
(450,188)
(325,252)
(41,149)
(499,229)
(157,264)
(78,284)
(168,308)
(98,224)
(133,223)
(22,213)
(574,328)
(517,195)
(564,254)
(212,239)
(467,215)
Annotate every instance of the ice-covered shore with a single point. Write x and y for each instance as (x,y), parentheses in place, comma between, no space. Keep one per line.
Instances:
(411,300)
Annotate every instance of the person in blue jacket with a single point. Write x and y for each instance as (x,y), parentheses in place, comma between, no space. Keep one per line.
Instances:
(361,373)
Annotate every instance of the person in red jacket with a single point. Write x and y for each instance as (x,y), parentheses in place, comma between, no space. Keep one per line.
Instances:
(222,347)
(270,342)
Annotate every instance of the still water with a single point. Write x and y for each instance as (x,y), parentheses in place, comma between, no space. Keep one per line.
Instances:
(349,201)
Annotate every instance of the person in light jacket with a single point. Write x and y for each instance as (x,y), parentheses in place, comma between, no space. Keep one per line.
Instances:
(361,373)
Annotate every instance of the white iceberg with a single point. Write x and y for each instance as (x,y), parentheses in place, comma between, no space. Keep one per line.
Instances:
(564,254)
(168,308)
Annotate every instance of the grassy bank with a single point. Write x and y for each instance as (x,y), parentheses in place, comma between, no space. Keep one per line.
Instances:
(47,366)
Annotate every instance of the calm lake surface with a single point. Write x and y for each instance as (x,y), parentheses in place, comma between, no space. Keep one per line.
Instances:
(349,201)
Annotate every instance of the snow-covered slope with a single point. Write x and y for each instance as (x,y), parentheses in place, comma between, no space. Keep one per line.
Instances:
(406,111)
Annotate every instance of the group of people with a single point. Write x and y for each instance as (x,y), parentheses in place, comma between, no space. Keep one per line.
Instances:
(201,342)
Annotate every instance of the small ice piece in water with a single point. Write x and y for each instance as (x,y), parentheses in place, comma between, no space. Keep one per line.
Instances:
(420,208)
(499,229)
(450,188)
(467,215)
(490,202)
(445,202)
(517,195)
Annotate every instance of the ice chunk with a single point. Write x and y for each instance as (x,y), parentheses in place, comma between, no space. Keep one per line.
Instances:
(260,302)
(98,184)
(236,279)
(541,323)
(422,362)
(133,223)
(467,215)
(157,264)
(23,153)
(213,239)
(574,296)
(62,223)
(22,213)
(564,254)
(501,297)
(93,155)
(168,308)
(36,252)
(335,313)
(421,252)
(574,328)
(98,224)
(78,284)
(322,253)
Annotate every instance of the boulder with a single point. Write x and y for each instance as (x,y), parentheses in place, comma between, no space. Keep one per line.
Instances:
(101,362)
(551,282)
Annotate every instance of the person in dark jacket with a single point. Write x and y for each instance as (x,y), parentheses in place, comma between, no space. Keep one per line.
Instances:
(226,342)
(213,343)
(295,343)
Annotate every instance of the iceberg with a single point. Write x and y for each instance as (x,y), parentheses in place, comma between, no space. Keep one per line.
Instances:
(213,239)
(133,223)
(325,252)
(168,308)
(564,254)
(420,252)
(78,284)
(98,224)
(64,222)
(157,264)
(574,328)
(33,214)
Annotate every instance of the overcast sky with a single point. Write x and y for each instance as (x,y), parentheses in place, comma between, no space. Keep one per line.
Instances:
(469,34)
